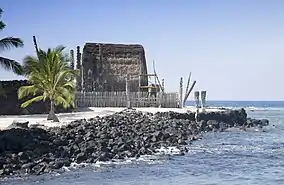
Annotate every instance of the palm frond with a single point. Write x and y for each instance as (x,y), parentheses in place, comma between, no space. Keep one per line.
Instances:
(2,25)
(69,85)
(35,99)
(10,42)
(30,64)
(68,94)
(28,90)
(59,49)
(65,78)
(11,65)
(6,44)
(61,100)
(51,76)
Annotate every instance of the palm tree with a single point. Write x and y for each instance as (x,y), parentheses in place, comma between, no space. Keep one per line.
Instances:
(50,78)
(6,44)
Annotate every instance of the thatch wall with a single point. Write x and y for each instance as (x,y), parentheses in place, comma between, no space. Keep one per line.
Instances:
(105,66)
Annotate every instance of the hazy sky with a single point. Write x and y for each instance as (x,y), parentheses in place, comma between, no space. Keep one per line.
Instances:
(234,48)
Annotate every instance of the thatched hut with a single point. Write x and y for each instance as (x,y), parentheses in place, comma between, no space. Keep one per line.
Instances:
(106,66)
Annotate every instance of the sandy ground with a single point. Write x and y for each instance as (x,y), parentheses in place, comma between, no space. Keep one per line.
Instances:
(86,113)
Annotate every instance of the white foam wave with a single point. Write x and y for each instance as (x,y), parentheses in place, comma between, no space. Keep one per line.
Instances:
(158,157)
(168,151)
(224,148)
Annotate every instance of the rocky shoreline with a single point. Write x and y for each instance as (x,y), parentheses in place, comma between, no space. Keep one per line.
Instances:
(130,133)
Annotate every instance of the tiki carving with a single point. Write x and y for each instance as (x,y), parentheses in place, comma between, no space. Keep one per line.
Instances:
(196,98)
(203,99)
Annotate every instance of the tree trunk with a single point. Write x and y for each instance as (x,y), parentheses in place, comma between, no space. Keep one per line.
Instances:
(51,115)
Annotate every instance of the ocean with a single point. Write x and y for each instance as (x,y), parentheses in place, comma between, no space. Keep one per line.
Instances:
(235,157)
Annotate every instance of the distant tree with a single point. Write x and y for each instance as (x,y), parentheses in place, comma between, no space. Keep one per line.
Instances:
(50,78)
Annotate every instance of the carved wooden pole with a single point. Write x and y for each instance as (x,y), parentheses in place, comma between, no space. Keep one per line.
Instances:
(78,66)
(162,93)
(188,93)
(196,97)
(82,73)
(72,65)
(180,92)
(187,85)
(203,100)
(35,44)
(127,89)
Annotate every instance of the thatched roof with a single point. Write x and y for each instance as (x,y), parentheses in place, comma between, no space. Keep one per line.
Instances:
(108,65)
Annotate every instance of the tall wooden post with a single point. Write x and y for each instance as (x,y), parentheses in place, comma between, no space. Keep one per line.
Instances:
(162,93)
(78,66)
(82,73)
(196,97)
(188,92)
(35,44)
(181,92)
(188,82)
(203,100)
(72,65)
(138,102)
(127,89)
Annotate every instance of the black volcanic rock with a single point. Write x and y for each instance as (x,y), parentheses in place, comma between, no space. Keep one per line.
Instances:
(19,124)
(122,135)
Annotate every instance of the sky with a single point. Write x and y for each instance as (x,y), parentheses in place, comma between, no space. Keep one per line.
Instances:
(234,48)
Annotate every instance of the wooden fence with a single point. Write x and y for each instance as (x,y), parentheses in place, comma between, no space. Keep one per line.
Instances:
(118,99)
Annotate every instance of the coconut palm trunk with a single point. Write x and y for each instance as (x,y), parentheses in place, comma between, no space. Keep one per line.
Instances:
(51,115)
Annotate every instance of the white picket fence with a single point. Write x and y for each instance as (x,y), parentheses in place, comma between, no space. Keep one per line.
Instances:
(118,99)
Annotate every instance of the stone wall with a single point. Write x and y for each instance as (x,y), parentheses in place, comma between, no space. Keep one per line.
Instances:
(105,66)
(10,104)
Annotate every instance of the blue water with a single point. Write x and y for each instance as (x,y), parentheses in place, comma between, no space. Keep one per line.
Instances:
(234,158)
(256,104)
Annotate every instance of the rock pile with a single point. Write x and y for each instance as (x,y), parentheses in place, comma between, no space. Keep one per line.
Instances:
(118,136)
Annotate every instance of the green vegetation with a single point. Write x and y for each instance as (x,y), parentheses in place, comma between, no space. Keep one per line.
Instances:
(51,79)
(6,44)
(48,74)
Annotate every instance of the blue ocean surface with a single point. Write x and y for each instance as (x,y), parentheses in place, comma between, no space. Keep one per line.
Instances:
(233,157)
(245,104)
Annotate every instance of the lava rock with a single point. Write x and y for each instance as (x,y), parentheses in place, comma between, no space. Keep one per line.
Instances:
(19,124)
(122,135)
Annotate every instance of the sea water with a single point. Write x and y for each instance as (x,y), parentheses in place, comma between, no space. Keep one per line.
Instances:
(233,157)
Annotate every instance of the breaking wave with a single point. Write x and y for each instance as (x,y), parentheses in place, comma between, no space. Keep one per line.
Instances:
(162,154)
